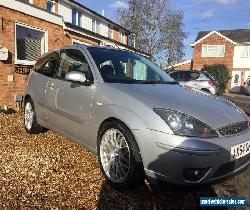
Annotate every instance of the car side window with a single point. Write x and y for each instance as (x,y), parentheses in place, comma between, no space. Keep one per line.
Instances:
(185,76)
(72,60)
(48,66)
(197,76)
(175,76)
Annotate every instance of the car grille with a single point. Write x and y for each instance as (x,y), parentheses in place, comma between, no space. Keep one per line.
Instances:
(234,128)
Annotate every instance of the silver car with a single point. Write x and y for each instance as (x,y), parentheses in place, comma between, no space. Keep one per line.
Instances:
(200,80)
(138,120)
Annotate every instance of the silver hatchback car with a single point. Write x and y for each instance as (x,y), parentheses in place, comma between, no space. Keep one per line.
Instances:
(139,121)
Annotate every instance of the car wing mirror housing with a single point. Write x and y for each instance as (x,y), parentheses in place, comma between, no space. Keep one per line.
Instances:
(75,76)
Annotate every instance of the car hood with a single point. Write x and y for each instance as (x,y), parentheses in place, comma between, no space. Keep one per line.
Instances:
(213,110)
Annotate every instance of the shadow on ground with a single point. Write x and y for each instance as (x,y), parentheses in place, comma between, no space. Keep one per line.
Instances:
(149,197)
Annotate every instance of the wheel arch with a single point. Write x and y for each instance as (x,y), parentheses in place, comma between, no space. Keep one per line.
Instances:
(114,119)
(26,97)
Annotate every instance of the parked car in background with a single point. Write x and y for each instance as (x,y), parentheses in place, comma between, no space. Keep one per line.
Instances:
(139,121)
(247,87)
(196,79)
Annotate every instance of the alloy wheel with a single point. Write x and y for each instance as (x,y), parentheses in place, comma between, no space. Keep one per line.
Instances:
(28,115)
(115,155)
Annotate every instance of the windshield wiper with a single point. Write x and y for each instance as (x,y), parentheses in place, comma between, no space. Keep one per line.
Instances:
(157,82)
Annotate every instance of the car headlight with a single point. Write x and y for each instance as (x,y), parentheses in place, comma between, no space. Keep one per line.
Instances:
(185,125)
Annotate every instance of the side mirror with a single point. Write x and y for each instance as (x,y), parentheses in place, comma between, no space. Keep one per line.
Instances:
(76,76)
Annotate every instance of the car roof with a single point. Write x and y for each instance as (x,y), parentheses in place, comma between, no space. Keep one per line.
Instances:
(187,71)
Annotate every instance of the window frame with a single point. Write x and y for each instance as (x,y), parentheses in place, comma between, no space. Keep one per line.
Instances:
(43,61)
(80,18)
(110,32)
(60,60)
(247,48)
(95,23)
(76,16)
(206,55)
(27,62)
(53,5)
(122,37)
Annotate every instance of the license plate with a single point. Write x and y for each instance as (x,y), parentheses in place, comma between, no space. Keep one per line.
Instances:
(240,150)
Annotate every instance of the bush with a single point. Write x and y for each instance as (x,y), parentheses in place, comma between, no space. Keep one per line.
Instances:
(220,73)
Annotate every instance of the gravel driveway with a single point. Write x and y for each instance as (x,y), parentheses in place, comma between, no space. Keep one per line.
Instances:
(47,171)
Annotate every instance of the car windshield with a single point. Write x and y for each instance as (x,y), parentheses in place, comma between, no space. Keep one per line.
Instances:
(118,66)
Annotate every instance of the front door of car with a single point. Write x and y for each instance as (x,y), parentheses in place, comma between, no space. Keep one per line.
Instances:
(70,103)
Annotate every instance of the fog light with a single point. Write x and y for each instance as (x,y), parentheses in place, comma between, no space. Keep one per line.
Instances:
(194,174)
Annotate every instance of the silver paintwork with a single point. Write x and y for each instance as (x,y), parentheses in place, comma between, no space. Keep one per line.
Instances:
(115,155)
(77,112)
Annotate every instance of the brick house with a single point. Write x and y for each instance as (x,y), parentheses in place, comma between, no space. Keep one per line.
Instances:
(30,28)
(185,65)
(229,47)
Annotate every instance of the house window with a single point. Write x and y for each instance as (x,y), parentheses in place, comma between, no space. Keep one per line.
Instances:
(122,37)
(50,6)
(96,26)
(31,43)
(80,24)
(245,52)
(110,33)
(213,51)
(74,16)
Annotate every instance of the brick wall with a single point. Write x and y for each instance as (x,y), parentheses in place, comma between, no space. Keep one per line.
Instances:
(214,39)
(40,3)
(74,36)
(116,34)
(185,66)
(56,39)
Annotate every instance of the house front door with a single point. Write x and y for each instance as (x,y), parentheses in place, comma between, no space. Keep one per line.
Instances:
(236,80)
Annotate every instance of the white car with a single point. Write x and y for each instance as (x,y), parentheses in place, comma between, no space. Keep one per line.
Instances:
(200,80)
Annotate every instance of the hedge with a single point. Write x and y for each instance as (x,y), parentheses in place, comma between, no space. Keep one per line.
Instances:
(220,73)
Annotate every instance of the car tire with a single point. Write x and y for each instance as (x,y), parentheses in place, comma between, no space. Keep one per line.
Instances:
(30,119)
(119,156)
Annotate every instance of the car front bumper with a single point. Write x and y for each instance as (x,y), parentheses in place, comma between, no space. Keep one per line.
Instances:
(190,161)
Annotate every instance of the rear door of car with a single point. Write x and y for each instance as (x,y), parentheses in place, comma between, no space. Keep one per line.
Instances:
(70,103)
(38,83)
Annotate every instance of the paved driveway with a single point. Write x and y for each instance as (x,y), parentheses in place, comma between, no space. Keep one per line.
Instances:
(242,101)
(47,171)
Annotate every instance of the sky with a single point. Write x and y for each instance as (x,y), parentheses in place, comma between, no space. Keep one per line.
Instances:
(199,15)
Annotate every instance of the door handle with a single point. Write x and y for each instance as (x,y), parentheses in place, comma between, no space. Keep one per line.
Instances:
(51,86)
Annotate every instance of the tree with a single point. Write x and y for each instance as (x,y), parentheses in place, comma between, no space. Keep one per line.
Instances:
(156,29)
